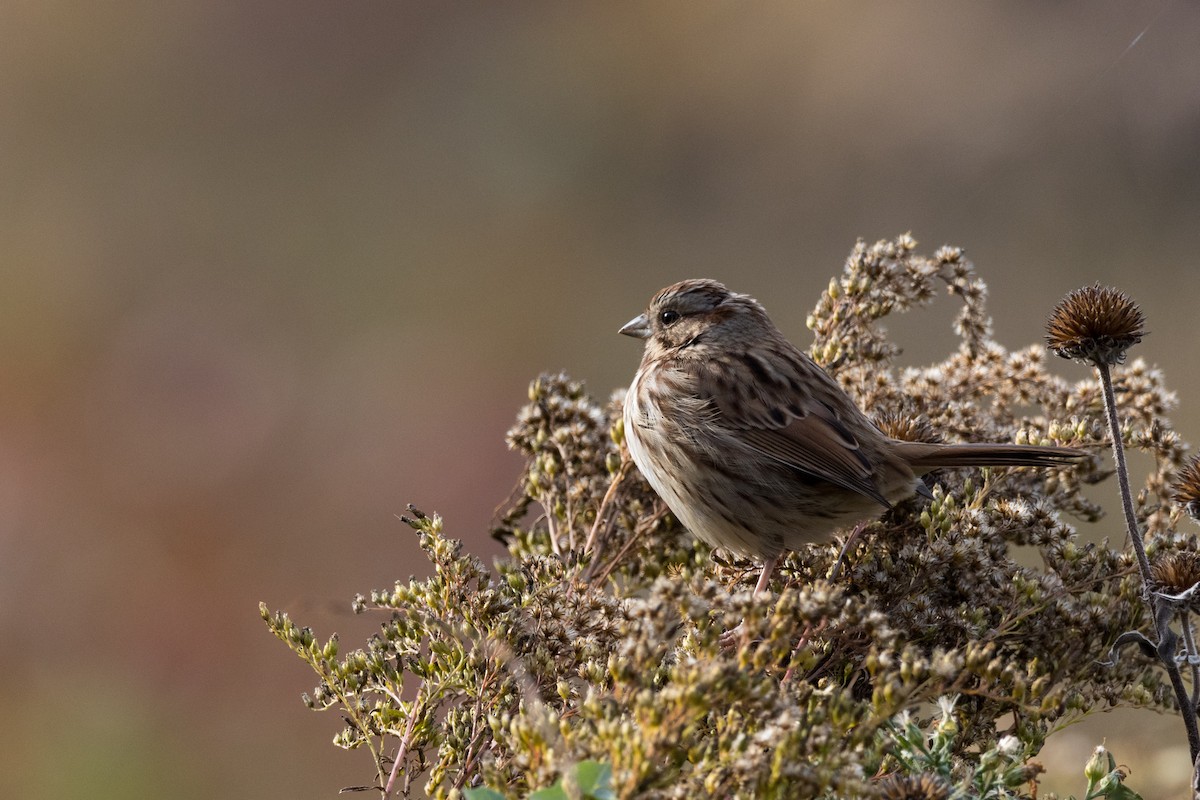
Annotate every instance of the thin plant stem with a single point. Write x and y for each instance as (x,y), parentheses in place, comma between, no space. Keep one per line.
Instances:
(405,741)
(1118,447)
(1162,621)
(1193,658)
(602,511)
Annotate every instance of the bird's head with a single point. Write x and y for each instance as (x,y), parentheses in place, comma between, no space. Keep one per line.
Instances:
(693,312)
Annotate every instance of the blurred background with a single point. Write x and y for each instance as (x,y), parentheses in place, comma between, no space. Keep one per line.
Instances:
(273,270)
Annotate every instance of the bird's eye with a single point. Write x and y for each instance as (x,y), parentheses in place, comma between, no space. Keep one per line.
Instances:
(668,316)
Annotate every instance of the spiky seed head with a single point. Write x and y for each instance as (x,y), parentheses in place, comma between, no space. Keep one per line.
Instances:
(913,787)
(1176,571)
(1185,488)
(1095,324)
(907,427)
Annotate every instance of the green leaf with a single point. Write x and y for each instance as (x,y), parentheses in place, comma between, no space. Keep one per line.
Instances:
(482,793)
(555,792)
(1122,792)
(595,780)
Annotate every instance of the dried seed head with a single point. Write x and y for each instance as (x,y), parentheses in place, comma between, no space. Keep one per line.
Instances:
(913,787)
(1185,489)
(1176,572)
(907,427)
(1095,324)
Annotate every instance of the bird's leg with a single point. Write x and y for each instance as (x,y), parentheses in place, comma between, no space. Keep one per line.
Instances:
(767,570)
(731,638)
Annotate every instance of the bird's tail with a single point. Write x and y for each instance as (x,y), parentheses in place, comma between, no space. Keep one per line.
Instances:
(923,456)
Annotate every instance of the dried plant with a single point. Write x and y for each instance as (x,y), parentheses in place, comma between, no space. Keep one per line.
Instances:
(1097,325)
(599,638)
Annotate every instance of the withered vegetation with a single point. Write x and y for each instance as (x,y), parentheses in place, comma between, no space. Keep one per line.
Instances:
(598,638)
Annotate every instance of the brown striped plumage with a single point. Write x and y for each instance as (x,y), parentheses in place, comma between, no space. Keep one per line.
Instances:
(751,445)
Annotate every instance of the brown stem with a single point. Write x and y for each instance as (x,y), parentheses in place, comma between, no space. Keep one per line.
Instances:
(1162,621)
(602,511)
(405,742)
(1118,446)
(1189,650)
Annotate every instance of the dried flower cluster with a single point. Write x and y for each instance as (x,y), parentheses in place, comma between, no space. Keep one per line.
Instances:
(906,428)
(599,637)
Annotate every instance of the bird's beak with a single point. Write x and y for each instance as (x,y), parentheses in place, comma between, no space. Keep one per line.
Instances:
(638,327)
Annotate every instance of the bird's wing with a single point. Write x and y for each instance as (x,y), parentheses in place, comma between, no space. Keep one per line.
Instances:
(778,413)
(822,446)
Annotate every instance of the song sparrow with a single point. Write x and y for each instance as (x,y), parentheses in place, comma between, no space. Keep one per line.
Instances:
(752,445)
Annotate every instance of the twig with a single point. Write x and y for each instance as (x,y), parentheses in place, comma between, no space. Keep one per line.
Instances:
(602,511)
(642,527)
(405,741)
